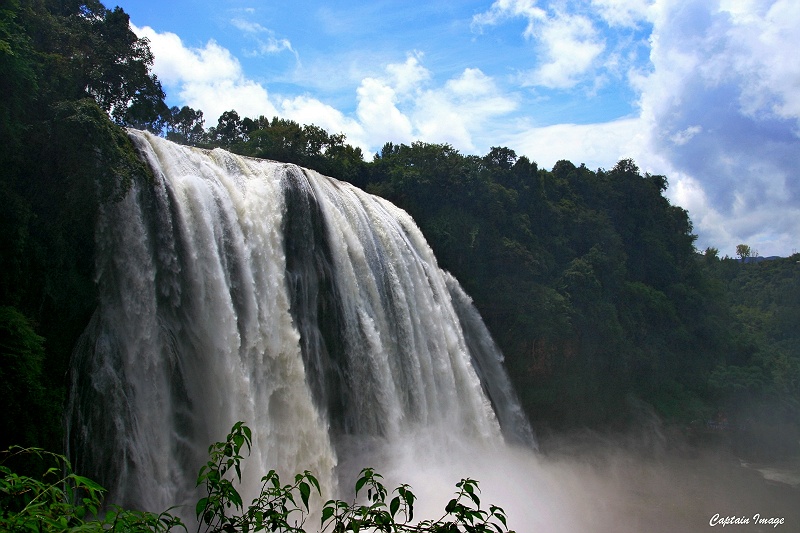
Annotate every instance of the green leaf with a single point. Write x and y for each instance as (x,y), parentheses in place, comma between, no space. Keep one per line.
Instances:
(311,479)
(305,491)
(394,506)
(201,506)
(475,498)
(235,497)
(87,483)
(327,513)
(360,483)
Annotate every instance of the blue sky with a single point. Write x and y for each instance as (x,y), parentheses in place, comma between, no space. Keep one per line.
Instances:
(706,92)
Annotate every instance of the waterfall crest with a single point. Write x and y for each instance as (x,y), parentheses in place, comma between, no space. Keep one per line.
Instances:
(240,289)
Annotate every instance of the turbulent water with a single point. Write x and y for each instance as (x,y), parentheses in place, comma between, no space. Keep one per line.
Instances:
(240,289)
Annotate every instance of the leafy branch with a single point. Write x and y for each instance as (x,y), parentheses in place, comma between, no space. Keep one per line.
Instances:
(285,508)
(61,500)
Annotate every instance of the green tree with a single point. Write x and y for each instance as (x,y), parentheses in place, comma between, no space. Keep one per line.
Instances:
(743,251)
(229,131)
(186,126)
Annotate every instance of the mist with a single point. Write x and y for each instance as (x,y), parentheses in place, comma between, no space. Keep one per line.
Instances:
(648,479)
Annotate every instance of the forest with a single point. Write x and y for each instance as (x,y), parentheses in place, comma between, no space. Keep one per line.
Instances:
(589,280)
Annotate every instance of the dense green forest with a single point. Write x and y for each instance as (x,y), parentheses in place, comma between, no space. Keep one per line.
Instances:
(589,280)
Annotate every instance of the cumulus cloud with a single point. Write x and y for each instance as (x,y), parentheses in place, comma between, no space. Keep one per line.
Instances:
(568,43)
(378,112)
(404,106)
(722,110)
(763,47)
(208,78)
(408,76)
(461,111)
(401,105)
(624,13)
(595,145)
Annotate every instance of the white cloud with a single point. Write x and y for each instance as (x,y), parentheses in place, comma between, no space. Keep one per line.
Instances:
(399,106)
(570,45)
(722,108)
(763,48)
(269,44)
(403,107)
(175,64)
(502,10)
(625,13)
(596,145)
(461,111)
(409,76)
(208,78)
(378,113)
(211,79)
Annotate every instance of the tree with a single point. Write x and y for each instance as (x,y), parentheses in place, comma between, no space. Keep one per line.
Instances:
(185,125)
(112,65)
(743,251)
(229,130)
(501,157)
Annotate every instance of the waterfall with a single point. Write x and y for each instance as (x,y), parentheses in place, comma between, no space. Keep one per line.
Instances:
(233,289)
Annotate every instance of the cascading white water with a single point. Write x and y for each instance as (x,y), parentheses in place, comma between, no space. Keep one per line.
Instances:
(240,289)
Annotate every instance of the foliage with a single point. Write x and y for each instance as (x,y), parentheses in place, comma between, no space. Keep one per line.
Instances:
(185,125)
(22,395)
(285,140)
(743,251)
(285,508)
(596,266)
(61,500)
(757,379)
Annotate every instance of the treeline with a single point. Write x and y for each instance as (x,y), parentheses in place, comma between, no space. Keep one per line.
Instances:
(588,279)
